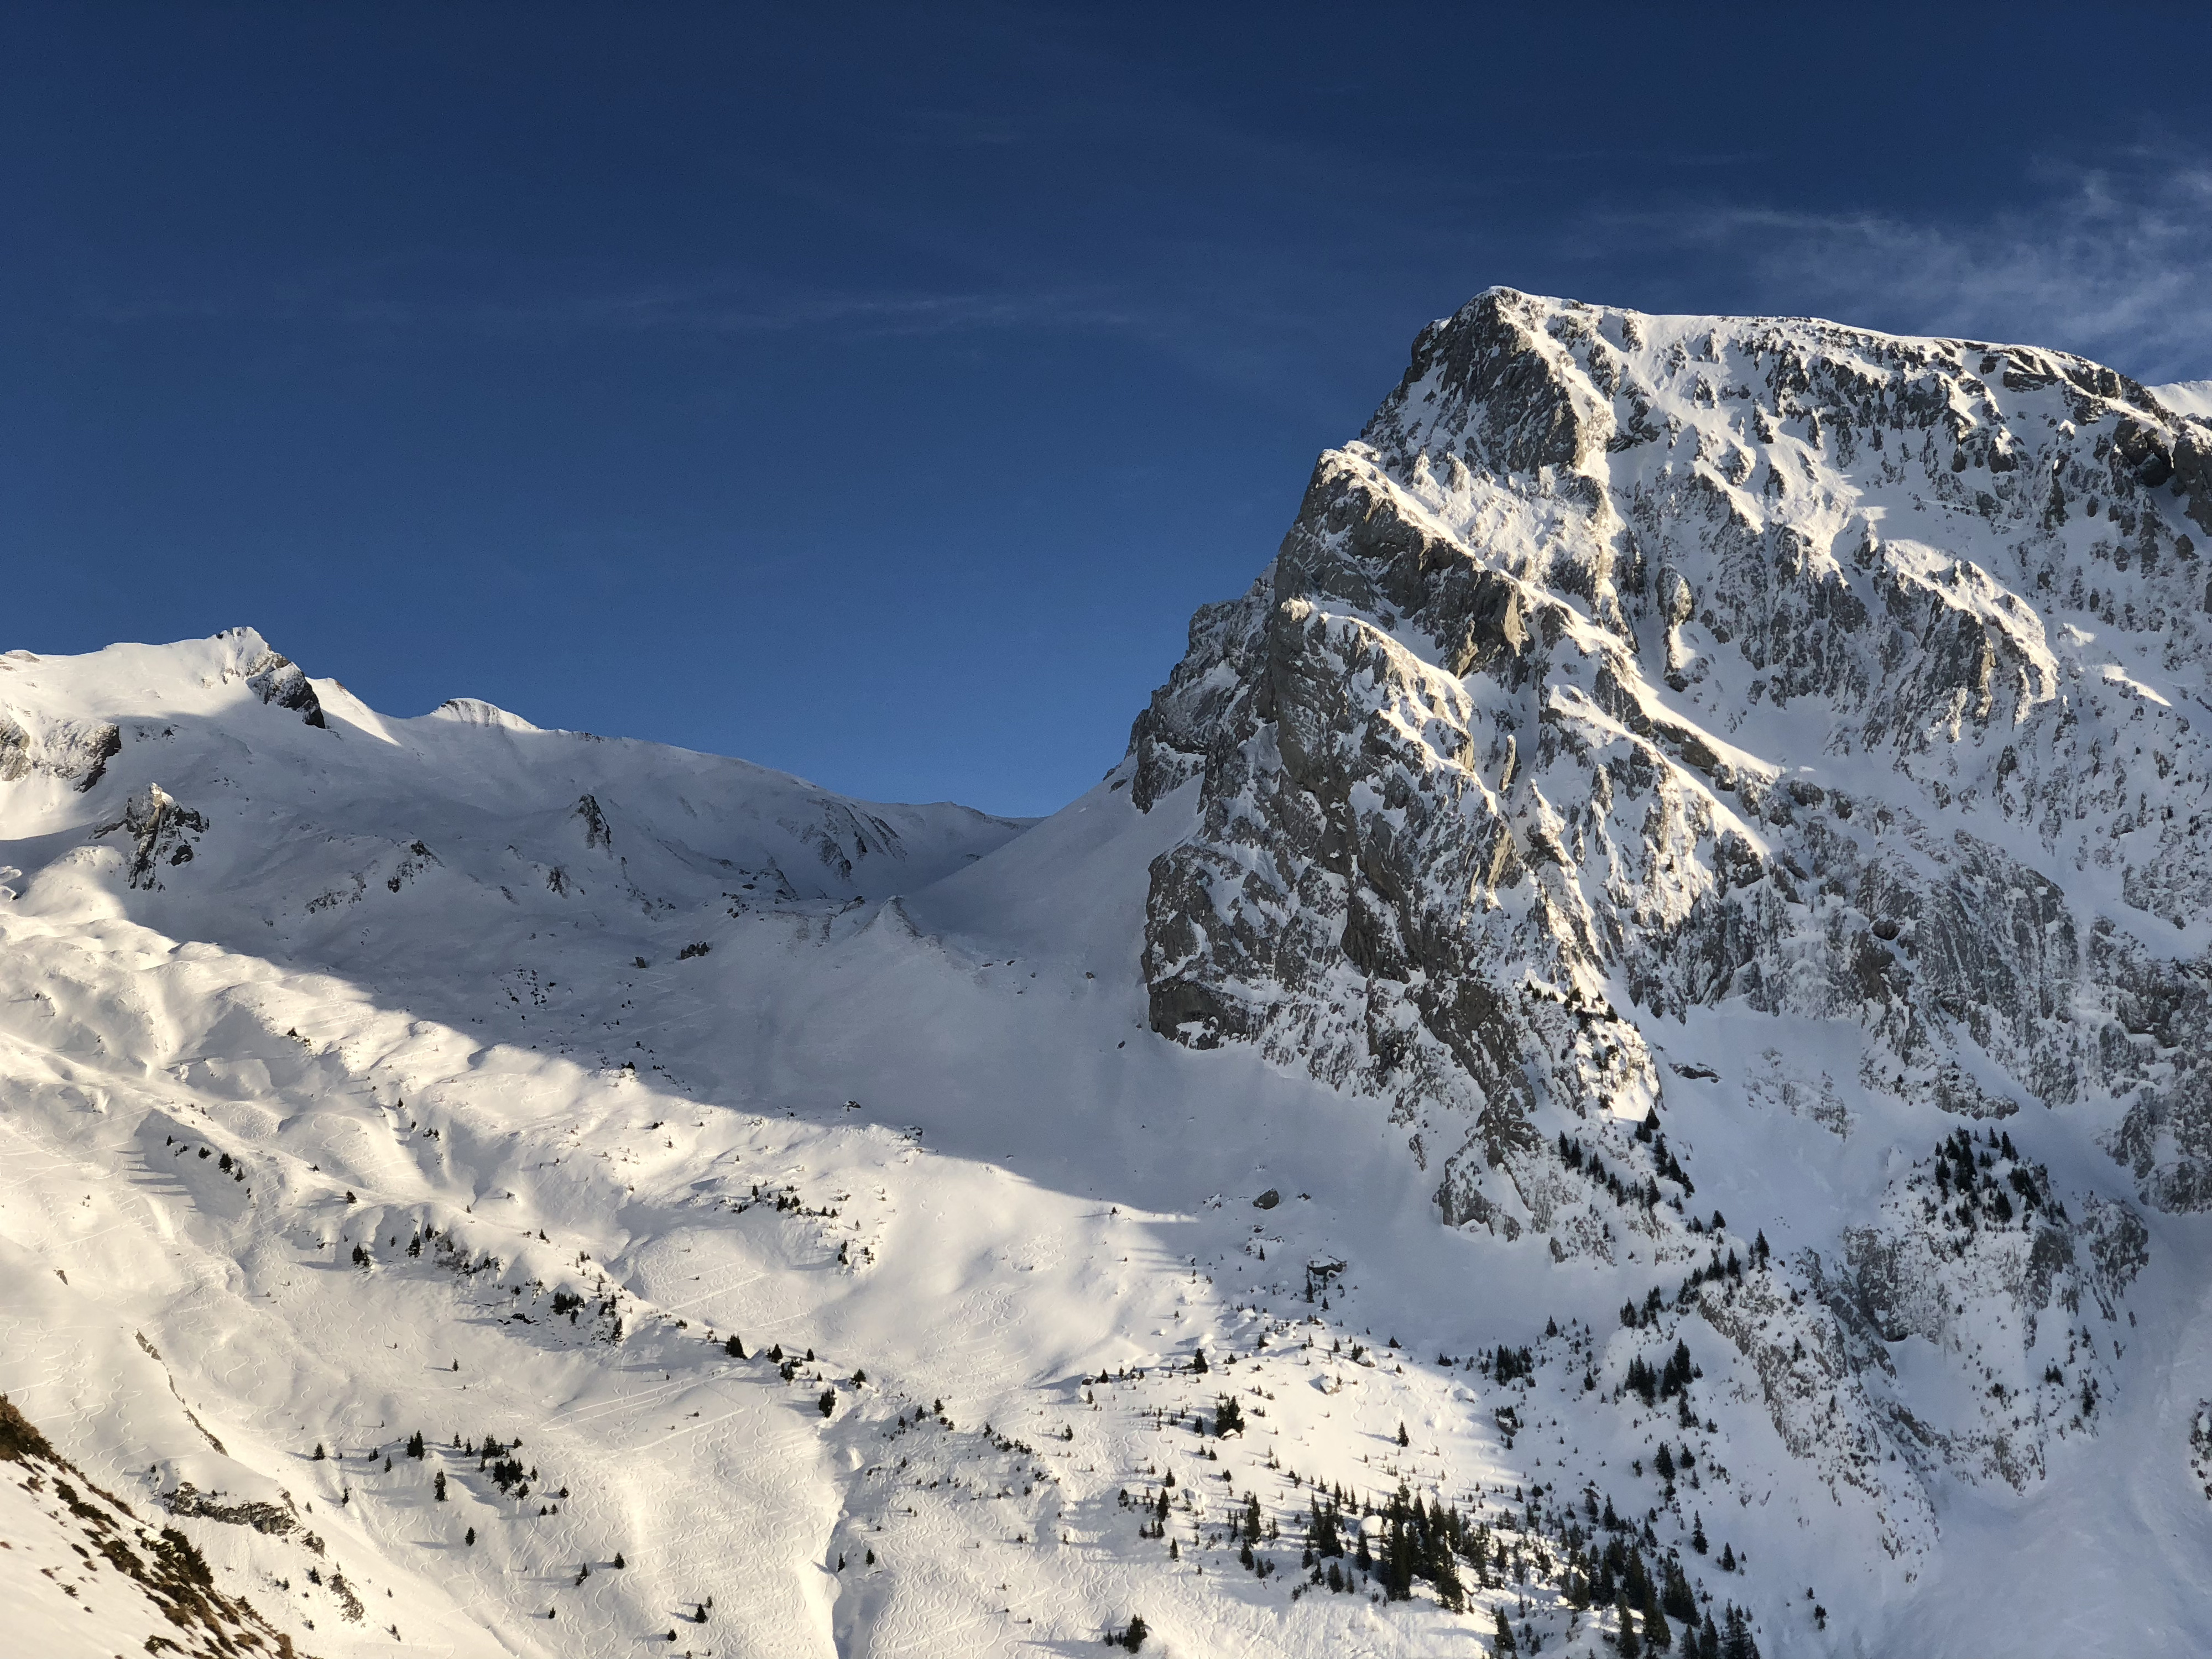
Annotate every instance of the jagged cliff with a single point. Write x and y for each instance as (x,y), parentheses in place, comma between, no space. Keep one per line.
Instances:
(1627,662)
(1672,919)
(1627,666)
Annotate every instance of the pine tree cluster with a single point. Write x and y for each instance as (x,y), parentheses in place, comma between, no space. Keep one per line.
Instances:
(1512,1364)
(1419,1540)
(1666,1382)
(1644,1599)
(1969,1192)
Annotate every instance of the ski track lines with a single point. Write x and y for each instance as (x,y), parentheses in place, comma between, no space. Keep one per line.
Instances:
(1031,1186)
(741,1485)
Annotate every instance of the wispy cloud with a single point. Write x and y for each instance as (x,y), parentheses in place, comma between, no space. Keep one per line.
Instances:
(2115,264)
(715,307)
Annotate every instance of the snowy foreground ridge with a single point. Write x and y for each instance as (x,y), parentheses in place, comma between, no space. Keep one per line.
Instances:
(1622,1067)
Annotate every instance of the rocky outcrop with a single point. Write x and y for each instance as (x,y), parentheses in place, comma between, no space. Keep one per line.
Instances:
(162,833)
(197,1606)
(275,1520)
(1973,1254)
(597,832)
(281,683)
(1630,663)
(76,751)
(14,750)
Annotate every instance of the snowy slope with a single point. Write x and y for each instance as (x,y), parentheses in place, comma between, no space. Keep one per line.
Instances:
(1658,727)
(2187,398)
(904,1136)
(364,1077)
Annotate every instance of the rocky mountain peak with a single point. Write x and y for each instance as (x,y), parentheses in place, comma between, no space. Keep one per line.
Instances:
(1627,666)
(1673,922)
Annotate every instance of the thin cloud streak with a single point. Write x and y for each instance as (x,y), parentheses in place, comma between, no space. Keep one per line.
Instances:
(701,309)
(2116,266)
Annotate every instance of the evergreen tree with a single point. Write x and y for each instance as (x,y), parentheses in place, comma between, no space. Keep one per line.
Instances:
(1501,1635)
(1676,1597)
(470,1540)
(320,1453)
(1404,1439)
(438,1486)
(1134,1637)
(1198,1364)
(1698,1540)
(1629,1646)
(1709,1640)
(1443,1573)
(1398,1553)
(415,1447)
(734,1348)
(1634,1583)
(1728,1558)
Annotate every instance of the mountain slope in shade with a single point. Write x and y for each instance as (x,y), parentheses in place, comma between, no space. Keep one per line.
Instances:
(1623,1046)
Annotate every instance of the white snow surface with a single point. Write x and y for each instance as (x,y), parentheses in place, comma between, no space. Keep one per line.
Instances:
(511,1157)
(368,989)
(2187,398)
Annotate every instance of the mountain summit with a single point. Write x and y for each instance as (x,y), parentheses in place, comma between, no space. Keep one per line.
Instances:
(1629,664)
(1620,1064)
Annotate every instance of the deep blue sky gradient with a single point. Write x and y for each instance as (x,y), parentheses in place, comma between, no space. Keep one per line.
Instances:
(873,392)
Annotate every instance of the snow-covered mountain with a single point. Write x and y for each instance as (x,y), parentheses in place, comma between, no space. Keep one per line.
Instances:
(1624,1048)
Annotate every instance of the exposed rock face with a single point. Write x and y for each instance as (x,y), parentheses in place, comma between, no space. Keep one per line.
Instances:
(595,831)
(281,683)
(161,833)
(1978,1225)
(1628,666)
(1630,663)
(276,1521)
(77,751)
(192,1609)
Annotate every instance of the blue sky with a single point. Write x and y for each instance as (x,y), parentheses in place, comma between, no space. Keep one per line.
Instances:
(874,392)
